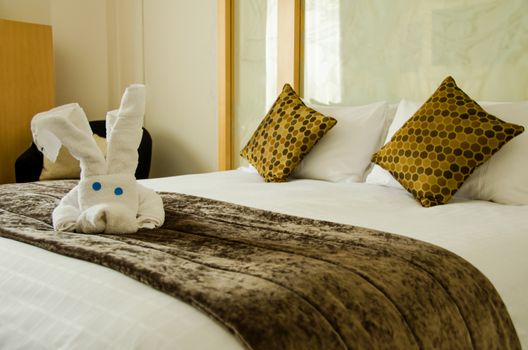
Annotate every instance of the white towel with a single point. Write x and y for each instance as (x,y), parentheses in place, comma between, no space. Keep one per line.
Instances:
(67,125)
(108,218)
(151,213)
(108,198)
(65,215)
(124,131)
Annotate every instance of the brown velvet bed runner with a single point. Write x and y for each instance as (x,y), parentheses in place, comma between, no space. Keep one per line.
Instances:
(284,282)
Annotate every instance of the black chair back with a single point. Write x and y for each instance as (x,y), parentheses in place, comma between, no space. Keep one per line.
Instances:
(28,165)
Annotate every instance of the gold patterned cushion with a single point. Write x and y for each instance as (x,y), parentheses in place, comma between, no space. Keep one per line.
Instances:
(65,166)
(285,135)
(441,145)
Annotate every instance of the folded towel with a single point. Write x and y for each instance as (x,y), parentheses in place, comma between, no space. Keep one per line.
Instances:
(67,125)
(107,218)
(111,216)
(65,215)
(151,213)
(124,131)
(108,198)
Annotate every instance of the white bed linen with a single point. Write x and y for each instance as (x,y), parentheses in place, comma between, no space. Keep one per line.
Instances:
(51,301)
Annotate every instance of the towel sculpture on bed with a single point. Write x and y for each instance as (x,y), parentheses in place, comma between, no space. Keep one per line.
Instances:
(108,198)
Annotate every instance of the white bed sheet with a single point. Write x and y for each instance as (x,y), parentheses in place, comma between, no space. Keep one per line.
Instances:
(50,301)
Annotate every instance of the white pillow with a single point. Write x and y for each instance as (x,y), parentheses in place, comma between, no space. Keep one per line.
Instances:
(343,154)
(378,175)
(502,179)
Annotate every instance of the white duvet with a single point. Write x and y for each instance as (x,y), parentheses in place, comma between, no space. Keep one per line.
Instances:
(48,301)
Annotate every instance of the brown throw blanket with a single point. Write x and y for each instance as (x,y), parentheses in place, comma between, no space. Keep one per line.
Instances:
(284,282)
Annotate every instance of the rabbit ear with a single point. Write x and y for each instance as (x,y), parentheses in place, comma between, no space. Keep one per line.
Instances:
(46,141)
(67,125)
(111,118)
(124,132)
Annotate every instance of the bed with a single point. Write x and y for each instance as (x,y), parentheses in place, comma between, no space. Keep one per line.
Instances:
(53,301)
(330,253)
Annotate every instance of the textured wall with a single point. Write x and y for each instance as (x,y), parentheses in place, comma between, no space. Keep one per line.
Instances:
(366,50)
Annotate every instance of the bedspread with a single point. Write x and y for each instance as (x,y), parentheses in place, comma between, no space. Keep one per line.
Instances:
(283,282)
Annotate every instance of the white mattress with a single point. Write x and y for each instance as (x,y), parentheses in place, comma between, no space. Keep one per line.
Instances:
(49,301)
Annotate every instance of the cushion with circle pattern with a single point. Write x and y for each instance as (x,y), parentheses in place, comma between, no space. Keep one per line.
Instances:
(286,134)
(442,144)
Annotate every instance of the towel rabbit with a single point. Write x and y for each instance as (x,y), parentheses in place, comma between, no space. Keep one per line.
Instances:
(108,198)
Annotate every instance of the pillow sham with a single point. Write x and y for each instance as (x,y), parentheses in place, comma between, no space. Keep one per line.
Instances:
(502,179)
(285,136)
(442,144)
(343,155)
(66,166)
(404,112)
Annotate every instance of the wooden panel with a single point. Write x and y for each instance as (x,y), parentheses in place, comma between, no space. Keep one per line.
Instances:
(289,43)
(288,65)
(26,87)
(225,84)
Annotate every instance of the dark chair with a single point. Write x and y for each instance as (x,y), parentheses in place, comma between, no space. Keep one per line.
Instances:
(28,165)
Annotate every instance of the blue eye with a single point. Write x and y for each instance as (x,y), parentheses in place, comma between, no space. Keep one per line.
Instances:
(96,186)
(118,191)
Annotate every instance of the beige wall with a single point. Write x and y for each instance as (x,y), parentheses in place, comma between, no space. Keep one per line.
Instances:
(101,46)
(125,46)
(180,72)
(34,11)
(81,54)
(80,40)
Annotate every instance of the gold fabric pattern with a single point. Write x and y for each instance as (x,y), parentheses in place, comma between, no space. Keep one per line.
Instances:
(285,136)
(442,144)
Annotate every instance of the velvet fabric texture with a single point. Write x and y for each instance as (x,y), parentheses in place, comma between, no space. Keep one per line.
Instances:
(282,282)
